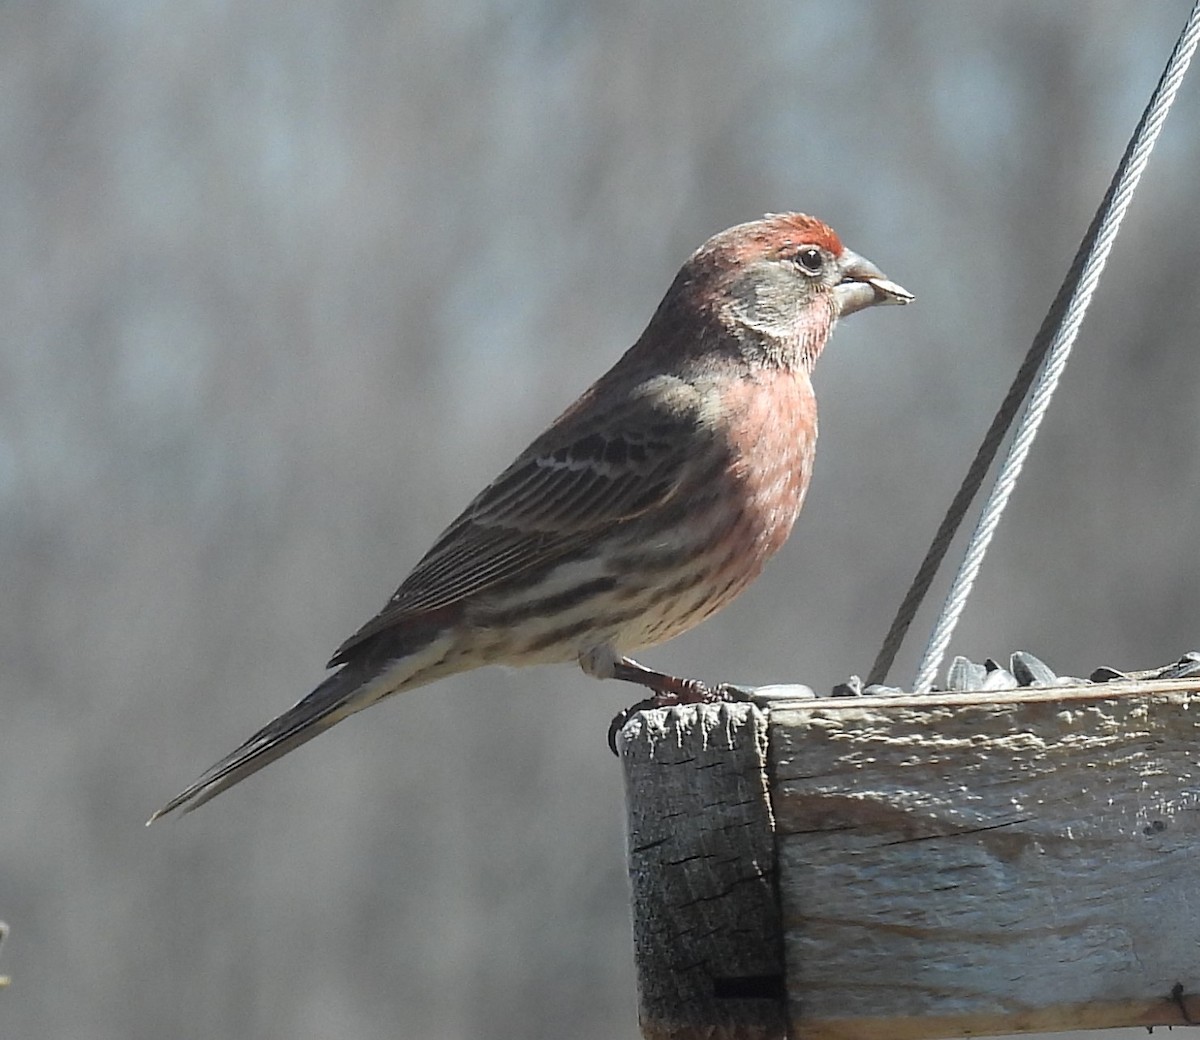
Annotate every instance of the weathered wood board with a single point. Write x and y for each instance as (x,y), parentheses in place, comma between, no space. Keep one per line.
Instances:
(913,867)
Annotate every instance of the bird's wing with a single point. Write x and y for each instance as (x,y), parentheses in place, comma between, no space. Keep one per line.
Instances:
(576,481)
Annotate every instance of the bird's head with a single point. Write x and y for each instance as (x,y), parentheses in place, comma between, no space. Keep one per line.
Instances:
(779,285)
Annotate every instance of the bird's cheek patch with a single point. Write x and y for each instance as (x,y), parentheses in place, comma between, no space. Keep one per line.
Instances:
(767,300)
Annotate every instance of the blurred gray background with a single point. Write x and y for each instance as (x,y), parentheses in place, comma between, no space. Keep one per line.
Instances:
(283,284)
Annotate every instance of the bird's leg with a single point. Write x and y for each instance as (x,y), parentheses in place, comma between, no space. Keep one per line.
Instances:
(667,690)
(605,662)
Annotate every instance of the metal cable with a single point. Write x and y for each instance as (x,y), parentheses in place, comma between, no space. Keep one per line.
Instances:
(1052,345)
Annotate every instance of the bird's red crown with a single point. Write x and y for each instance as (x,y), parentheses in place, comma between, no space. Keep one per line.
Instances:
(778,234)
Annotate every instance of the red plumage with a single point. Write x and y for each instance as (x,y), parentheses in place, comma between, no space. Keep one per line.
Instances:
(647,506)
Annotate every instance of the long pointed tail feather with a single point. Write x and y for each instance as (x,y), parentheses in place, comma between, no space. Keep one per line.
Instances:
(341,694)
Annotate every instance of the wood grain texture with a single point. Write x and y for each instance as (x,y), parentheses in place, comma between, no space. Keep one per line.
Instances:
(970,864)
(918,867)
(702,869)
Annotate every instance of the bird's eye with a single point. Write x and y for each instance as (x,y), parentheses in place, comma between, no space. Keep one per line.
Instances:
(810,259)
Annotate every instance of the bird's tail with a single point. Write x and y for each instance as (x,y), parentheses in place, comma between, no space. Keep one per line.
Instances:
(354,687)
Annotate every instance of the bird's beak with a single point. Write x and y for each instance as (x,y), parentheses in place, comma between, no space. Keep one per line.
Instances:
(864,285)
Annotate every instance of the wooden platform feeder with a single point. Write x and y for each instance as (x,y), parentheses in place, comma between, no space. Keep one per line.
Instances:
(916,867)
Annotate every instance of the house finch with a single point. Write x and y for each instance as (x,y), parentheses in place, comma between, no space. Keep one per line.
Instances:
(647,506)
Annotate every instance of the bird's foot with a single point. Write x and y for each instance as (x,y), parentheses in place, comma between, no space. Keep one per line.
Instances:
(671,689)
(668,690)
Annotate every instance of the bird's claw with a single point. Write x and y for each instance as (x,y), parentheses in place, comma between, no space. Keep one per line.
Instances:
(682,691)
(622,717)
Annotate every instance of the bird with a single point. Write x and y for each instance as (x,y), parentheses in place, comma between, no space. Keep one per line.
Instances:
(643,509)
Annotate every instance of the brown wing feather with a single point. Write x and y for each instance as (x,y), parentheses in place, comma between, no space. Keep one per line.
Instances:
(570,485)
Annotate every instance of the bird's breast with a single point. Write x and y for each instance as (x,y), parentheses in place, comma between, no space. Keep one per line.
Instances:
(749,480)
(771,439)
